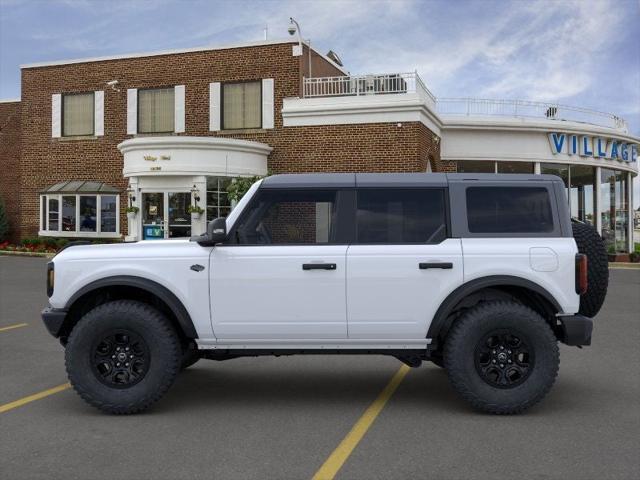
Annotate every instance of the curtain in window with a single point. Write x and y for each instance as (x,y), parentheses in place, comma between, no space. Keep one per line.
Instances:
(241,105)
(78,116)
(156,110)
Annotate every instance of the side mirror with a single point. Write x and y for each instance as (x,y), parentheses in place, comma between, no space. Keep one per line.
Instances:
(217,230)
(216,233)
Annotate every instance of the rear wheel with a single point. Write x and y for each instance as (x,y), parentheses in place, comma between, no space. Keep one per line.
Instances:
(123,356)
(501,357)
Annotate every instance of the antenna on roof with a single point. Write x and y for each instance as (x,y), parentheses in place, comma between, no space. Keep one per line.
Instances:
(266,32)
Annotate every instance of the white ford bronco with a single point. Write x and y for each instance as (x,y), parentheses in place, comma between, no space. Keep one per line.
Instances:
(480,274)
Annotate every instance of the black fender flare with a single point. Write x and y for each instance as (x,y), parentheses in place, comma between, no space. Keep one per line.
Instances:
(154,288)
(440,319)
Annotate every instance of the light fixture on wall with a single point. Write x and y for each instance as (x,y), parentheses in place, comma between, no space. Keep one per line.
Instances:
(294,27)
(195,193)
(131,193)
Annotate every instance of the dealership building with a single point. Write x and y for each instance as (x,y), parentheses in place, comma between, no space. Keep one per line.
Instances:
(163,131)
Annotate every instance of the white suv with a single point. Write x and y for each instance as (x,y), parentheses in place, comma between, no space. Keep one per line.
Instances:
(480,274)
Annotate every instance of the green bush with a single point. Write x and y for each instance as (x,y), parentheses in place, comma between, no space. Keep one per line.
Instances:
(239,186)
(4,222)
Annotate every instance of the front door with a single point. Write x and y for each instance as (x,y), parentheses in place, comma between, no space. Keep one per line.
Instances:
(402,265)
(164,215)
(282,274)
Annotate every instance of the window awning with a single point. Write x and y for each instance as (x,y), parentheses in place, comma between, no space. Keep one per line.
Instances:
(81,186)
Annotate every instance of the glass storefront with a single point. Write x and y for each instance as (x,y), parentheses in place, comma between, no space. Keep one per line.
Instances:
(515,167)
(218,204)
(476,166)
(614,192)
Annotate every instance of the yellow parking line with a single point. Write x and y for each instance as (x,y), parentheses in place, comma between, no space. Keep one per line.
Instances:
(11,327)
(334,463)
(32,398)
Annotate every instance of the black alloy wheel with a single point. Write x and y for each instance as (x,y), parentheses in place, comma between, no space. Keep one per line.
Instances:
(503,359)
(120,359)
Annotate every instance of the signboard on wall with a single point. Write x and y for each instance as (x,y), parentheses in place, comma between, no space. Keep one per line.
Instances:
(590,146)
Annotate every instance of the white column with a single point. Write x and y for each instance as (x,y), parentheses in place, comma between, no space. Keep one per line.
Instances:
(630,212)
(134,223)
(536,168)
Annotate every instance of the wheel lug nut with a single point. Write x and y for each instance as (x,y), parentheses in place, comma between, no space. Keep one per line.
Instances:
(502,365)
(493,351)
(127,349)
(130,356)
(118,364)
(508,361)
(501,347)
(113,356)
(508,351)
(117,349)
(126,364)
(494,361)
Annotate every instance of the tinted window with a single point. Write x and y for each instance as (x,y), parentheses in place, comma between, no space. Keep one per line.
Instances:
(401,216)
(289,217)
(509,210)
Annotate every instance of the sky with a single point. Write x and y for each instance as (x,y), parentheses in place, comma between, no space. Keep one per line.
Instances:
(584,53)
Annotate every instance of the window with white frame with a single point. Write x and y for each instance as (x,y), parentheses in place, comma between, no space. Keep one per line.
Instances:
(79,214)
(156,110)
(218,204)
(78,114)
(241,105)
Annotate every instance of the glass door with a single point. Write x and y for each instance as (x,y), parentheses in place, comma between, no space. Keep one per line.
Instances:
(164,215)
(153,216)
(179,218)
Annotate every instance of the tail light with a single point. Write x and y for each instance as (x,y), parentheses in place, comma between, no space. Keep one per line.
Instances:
(581,274)
(50,279)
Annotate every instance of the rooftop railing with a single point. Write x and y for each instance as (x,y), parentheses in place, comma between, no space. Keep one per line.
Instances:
(357,85)
(528,109)
(399,83)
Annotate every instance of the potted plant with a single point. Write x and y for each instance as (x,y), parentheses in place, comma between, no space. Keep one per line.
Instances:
(131,212)
(195,211)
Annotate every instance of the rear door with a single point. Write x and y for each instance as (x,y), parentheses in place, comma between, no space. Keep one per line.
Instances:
(282,276)
(402,263)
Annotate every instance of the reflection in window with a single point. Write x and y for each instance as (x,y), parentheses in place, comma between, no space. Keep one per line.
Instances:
(476,166)
(156,110)
(108,213)
(515,167)
(69,213)
(582,179)
(614,209)
(218,204)
(53,213)
(88,213)
(288,217)
(401,216)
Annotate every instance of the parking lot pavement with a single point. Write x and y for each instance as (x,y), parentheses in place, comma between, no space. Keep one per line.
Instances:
(281,418)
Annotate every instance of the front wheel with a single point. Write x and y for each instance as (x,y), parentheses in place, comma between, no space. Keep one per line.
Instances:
(123,356)
(501,357)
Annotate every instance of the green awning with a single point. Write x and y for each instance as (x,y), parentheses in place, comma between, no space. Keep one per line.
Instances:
(81,186)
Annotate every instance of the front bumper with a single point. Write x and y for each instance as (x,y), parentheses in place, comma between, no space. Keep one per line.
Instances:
(53,319)
(575,330)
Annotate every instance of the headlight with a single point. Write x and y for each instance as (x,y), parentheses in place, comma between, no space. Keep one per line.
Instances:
(50,279)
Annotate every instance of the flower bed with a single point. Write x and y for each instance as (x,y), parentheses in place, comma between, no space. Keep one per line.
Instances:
(41,245)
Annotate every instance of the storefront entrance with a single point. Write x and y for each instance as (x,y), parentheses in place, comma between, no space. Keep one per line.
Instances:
(164,215)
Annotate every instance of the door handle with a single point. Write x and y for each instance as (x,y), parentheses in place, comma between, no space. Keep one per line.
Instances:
(318,266)
(443,265)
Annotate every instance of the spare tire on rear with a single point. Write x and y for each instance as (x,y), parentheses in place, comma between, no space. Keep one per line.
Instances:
(591,244)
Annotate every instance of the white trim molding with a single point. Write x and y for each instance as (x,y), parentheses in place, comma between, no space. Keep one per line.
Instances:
(391,108)
(188,156)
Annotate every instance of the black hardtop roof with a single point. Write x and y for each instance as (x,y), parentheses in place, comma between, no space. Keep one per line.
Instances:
(346,180)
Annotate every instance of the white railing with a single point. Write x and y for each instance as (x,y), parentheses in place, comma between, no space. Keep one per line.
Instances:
(524,108)
(356,85)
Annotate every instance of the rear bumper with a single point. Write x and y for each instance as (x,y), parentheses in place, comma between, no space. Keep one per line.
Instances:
(576,330)
(53,319)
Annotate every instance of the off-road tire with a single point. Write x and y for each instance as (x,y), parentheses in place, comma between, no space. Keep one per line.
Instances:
(190,355)
(591,244)
(162,342)
(469,331)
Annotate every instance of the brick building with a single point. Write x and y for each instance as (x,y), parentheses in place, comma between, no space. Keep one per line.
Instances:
(165,130)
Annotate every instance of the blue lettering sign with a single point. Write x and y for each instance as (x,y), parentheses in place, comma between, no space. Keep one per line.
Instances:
(624,152)
(573,149)
(614,149)
(585,147)
(601,149)
(634,153)
(557,142)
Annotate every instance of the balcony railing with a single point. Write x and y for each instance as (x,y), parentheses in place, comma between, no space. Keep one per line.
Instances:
(525,108)
(357,85)
(399,83)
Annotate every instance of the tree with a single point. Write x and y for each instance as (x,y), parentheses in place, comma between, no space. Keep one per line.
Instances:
(4,222)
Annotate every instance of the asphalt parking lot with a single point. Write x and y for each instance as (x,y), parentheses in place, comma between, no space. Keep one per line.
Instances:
(281,418)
